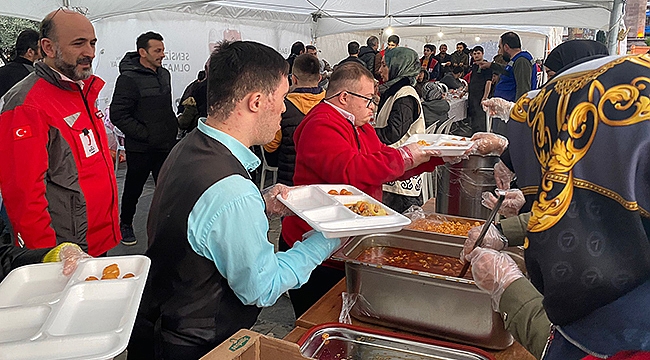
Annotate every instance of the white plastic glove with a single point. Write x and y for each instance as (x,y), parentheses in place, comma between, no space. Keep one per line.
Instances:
(413,155)
(493,272)
(273,205)
(503,176)
(493,240)
(488,144)
(68,253)
(511,204)
(498,107)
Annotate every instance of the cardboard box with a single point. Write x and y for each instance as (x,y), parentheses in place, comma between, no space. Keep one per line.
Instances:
(249,345)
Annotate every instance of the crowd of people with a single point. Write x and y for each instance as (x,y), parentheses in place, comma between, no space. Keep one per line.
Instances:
(585,232)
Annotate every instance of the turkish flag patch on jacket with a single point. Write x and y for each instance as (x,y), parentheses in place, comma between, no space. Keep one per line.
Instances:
(22,132)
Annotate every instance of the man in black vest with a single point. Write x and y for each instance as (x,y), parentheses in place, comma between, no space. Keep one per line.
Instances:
(26,53)
(142,109)
(212,267)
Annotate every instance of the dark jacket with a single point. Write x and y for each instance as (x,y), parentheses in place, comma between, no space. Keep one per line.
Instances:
(12,256)
(367,55)
(451,81)
(13,72)
(298,103)
(142,107)
(435,111)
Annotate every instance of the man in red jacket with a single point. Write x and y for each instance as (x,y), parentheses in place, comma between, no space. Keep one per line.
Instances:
(335,144)
(56,172)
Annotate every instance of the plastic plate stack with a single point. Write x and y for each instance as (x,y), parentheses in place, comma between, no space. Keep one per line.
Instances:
(46,315)
(448,145)
(330,214)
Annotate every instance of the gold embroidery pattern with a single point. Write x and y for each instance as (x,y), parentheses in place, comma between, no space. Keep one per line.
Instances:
(620,105)
(529,190)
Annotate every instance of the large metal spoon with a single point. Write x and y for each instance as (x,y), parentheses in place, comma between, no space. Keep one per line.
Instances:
(486,226)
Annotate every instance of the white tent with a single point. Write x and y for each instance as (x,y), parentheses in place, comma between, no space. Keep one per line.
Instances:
(191,27)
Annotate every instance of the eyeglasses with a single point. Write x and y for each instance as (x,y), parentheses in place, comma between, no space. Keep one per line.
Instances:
(371,101)
(71,9)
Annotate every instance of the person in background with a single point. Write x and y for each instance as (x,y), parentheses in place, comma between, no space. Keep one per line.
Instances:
(367,53)
(517,76)
(452,78)
(303,97)
(460,58)
(335,144)
(434,105)
(298,48)
(420,80)
(429,61)
(142,109)
(325,68)
(26,54)
(400,116)
(353,52)
(444,60)
(392,42)
(56,171)
(193,104)
(212,266)
(480,85)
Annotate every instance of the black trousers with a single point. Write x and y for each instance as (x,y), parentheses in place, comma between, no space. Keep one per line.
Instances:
(321,280)
(138,167)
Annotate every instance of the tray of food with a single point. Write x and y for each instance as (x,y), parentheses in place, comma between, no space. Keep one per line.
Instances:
(448,225)
(349,342)
(448,145)
(409,281)
(342,210)
(88,315)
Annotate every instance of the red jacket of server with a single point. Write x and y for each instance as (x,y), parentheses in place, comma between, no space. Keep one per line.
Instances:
(331,150)
(56,172)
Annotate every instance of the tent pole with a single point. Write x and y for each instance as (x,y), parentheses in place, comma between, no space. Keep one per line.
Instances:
(614,21)
(66,3)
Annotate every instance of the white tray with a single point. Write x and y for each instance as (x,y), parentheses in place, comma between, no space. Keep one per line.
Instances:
(457,145)
(329,215)
(46,315)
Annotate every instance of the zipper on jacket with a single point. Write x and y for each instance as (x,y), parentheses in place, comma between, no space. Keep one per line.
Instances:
(101,147)
(356,136)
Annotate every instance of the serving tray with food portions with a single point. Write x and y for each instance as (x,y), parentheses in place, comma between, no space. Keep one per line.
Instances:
(342,211)
(88,315)
(448,145)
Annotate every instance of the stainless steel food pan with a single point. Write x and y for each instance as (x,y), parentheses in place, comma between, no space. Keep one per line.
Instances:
(431,304)
(347,342)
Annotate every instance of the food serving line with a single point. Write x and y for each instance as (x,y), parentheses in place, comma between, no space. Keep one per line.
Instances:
(401,273)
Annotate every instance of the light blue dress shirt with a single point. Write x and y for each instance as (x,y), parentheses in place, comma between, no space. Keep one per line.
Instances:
(228,225)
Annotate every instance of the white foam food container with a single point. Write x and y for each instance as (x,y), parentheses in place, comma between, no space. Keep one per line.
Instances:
(330,215)
(448,145)
(46,315)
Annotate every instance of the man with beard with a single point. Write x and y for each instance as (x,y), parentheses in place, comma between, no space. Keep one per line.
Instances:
(142,109)
(445,61)
(56,171)
(517,77)
(212,266)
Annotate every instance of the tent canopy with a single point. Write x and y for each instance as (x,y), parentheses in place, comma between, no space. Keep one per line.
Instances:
(337,16)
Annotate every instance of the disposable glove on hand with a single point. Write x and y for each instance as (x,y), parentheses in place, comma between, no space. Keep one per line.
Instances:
(413,155)
(493,272)
(488,144)
(498,108)
(511,204)
(68,253)
(493,240)
(503,176)
(273,205)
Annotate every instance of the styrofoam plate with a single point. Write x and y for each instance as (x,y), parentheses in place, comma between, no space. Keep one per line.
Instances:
(33,284)
(330,215)
(49,316)
(448,145)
